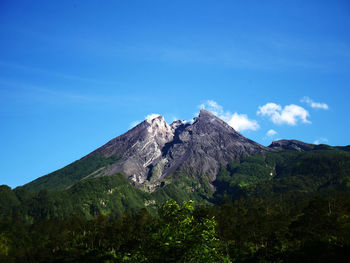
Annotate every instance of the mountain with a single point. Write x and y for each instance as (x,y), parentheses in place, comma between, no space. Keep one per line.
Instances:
(299,146)
(205,160)
(150,153)
(289,177)
(289,201)
(293,145)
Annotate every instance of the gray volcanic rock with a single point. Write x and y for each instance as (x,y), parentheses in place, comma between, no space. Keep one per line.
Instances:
(202,147)
(153,150)
(292,145)
(138,148)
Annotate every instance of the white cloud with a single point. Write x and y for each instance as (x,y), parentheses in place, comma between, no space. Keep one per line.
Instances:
(321,141)
(271,133)
(148,117)
(213,107)
(269,109)
(314,105)
(151,116)
(290,114)
(240,122)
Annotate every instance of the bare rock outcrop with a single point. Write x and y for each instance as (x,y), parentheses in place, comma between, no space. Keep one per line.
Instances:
(292,145)
(154,150)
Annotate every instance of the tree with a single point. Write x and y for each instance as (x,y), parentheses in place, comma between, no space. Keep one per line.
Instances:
(180,237)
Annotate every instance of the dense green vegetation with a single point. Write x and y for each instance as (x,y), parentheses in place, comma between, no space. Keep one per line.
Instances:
(291,178)
(71,174)
(90,198)
(277,207)
(248,230)
(95,196)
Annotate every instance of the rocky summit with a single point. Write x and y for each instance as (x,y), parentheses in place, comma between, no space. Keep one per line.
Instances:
(154,150)
(292,145)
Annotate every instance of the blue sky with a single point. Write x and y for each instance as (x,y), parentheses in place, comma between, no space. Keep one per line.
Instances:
(75,74)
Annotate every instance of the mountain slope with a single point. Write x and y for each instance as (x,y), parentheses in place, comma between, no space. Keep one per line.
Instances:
(152,151)
(289,179)
(206,145)
(72,173)
(206,161)
(293,145)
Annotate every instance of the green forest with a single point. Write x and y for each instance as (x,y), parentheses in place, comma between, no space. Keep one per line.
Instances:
(275,207)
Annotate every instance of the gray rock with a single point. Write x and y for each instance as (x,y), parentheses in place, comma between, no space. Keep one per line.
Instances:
(293,145)
(154,150)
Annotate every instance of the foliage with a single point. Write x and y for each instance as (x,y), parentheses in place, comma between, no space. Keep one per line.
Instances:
(91,197)
(8,201)
(248,230)
(276,207)
(288,177)
(175,236)
(181,237)
(183,188)
(71,174)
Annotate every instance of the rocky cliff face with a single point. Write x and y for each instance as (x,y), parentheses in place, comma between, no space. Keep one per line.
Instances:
(292,145)
(153,150)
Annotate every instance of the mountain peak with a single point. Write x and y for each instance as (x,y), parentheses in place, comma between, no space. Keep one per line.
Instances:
(207,121)
(153,150)
(205,112)
(152,117)
(205,115)
(160,130)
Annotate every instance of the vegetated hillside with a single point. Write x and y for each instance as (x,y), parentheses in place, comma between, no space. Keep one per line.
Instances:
(248,230)
(283,206)
(286,176)
(84,168)
(289,178)
(98,196)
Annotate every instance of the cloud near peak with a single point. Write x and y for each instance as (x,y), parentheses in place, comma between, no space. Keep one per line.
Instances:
(148,117)
(314,105)
(152,116)
(271,133)
(240,122)
(289,114)
(321,141)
